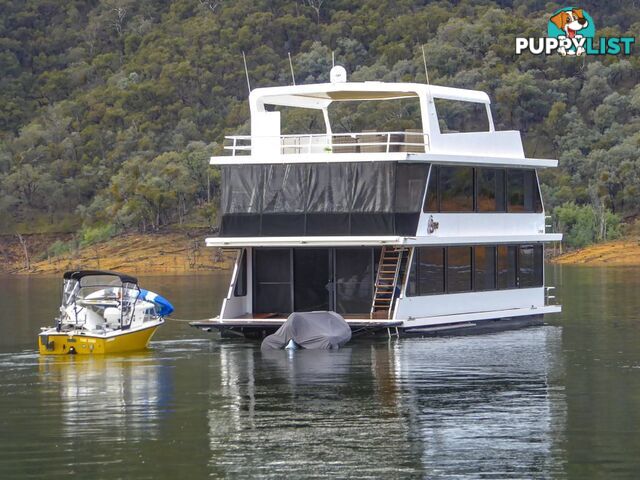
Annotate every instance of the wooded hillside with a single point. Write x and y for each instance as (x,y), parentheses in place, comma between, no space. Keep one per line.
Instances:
(109,110)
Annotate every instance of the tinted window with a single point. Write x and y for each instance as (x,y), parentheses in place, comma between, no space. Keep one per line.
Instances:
(515,190)
(532,201)
(241,281)
(412,286)
(427,271)
(522,191)
(431,203)
(456,189)
(458,116)
(458,269)
(484,268)
(490,196)
(490,268)
(507,257)
(451,189)
(530,266)
(409,188)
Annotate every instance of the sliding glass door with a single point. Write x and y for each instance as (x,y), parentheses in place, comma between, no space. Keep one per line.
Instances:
(308,279)
(354,268)
(273,282)
(312,284)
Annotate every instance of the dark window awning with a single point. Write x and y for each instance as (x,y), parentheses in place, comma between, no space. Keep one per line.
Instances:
(358,198)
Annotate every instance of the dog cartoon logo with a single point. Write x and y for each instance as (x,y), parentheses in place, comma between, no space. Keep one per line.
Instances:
(571,32)
(573,24)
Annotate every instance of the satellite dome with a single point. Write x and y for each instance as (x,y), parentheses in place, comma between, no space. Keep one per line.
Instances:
(338,74)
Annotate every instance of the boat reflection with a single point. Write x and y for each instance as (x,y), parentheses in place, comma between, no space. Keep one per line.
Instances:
(486,404)
(452,406)
(308,367)
(120,397)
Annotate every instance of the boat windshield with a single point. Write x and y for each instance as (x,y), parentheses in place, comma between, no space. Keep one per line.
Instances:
(69,290)
(97,292)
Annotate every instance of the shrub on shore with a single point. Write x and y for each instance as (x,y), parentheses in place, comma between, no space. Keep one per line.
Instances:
(584,225)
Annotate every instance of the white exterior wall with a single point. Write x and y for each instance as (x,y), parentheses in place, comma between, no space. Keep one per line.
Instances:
(268,141)
(451,225)
(505,143)
(471,302)
(235,307)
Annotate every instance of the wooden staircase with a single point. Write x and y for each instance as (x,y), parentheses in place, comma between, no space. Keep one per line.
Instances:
(392,259)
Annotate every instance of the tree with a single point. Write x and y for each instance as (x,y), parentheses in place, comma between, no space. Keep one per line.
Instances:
(315,5)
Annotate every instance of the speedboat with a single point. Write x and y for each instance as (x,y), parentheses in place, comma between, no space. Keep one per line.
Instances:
(103,312)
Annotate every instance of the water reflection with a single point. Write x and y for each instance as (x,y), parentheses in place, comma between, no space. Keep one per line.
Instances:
(442,407)
(127,396)
(487,402)
(306,367)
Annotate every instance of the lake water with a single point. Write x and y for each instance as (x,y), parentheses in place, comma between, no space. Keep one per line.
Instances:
(559,401)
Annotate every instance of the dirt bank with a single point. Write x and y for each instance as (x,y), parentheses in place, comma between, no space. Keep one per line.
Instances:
(165,253)
(619,253)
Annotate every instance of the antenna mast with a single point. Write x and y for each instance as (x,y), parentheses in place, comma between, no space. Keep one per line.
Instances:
(424,61)
(291,66)
(333,58)
(246,71)
(426,72)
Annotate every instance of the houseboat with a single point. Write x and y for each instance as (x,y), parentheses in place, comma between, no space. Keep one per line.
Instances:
(424,228)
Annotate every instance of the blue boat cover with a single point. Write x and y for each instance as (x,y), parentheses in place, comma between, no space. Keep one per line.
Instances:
(163,306)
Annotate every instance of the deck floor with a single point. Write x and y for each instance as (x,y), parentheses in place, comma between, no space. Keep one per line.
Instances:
(255,321)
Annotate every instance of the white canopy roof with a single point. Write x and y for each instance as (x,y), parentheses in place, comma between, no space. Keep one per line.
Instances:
(320,95)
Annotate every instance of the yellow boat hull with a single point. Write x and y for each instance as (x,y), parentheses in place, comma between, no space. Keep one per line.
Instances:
(87,344)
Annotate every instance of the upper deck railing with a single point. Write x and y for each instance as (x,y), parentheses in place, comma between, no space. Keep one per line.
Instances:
(364,142)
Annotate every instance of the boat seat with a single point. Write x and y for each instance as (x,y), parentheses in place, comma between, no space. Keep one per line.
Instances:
(373,142)
(349,140)
(90,319)
(112,317)
(413,136)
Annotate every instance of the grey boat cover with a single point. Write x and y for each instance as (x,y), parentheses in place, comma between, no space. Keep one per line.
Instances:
(311,330)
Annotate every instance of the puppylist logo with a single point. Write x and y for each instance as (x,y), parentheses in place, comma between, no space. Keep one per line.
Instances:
(571,31)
